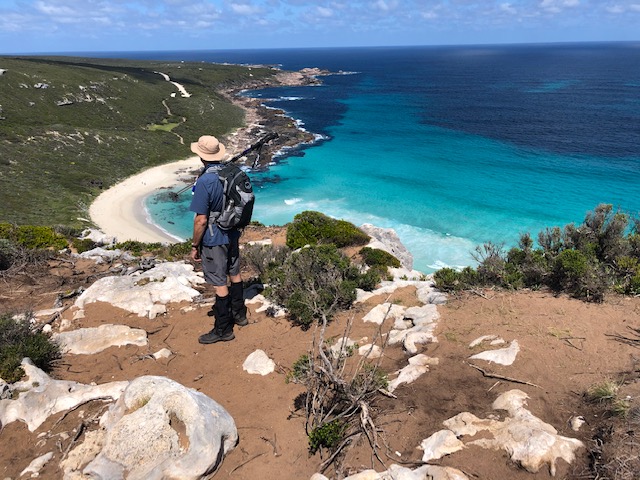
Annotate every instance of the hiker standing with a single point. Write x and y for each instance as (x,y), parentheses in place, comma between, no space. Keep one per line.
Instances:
(217,249)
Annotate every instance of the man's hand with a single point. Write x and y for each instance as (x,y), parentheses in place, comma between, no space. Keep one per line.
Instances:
(195,255)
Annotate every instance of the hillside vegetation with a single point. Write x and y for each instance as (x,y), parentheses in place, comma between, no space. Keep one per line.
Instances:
(70,127)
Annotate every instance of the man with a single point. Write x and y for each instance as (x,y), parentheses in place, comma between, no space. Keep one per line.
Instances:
(217,249)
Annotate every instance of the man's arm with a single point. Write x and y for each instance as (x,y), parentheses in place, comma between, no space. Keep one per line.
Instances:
(199,225)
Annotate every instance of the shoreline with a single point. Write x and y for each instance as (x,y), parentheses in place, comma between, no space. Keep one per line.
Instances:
(120,212)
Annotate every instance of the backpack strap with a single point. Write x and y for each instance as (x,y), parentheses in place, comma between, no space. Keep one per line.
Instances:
(213,215)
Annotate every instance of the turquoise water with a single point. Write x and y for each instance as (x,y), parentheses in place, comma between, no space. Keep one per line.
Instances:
(391,158)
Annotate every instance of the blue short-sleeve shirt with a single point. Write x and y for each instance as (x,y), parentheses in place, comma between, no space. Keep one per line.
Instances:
(208,197)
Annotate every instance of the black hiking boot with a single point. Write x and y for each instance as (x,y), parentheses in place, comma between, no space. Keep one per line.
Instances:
(238,308)
(213,337)
(223,326)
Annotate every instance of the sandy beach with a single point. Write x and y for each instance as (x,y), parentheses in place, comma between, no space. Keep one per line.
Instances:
(119,211)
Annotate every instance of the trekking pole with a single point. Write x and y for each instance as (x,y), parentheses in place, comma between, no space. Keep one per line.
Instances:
(256,146)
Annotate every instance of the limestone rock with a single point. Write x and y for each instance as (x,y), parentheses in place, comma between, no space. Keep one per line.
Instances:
(418,365)
(161,429)
(387,239)
(379,313)
(529,441)
(86,341)
(259,363)
(503,356)
(440,444)
(145,293)
(41,396)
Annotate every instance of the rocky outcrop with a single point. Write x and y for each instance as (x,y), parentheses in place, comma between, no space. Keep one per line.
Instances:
(387,239)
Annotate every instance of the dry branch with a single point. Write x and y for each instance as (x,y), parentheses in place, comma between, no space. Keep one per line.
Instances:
(500,377)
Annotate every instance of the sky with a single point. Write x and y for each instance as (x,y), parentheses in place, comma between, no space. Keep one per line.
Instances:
(58,26)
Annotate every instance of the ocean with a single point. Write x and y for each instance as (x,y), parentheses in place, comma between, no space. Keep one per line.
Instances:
(451,147)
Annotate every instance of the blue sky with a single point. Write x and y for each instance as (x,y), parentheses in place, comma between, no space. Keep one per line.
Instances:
(33,26)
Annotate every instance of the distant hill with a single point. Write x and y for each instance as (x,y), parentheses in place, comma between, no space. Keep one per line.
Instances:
(70,127)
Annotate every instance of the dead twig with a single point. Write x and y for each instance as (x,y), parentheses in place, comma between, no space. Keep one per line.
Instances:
(634,342)
(568,340)
(246,461)
(273,443)
(500,377)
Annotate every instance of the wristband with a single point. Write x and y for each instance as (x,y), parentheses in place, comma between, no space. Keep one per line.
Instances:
(194,246)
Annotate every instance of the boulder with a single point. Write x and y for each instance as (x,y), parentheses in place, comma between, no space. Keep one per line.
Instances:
(387,239)
(160,429)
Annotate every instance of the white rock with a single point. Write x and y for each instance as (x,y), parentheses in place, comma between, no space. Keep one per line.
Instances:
(163,353)
(86,341)
(266,241)
(379,313)
(484,338)
(147,293)
(98,237)
(161,429)
(422,315)
(259,363)
(529,441)
(48,312)
(502,356)
(418,365)
(441,443)
(387,239)
(397,472)
(40,396)
(342,347)
(36,465)
(101,255)
(370,351)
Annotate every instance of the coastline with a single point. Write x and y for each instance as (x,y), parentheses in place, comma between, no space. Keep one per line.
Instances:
(120,212)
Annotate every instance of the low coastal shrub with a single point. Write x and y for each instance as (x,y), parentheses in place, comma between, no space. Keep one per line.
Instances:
(314,282)
(374,257)
(33,236)
(138,248)
(313,228)
(17,341)
(327,435)
(585,261)
(168,252)
(81,245)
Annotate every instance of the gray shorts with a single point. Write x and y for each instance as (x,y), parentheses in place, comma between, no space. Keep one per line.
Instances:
(220,261)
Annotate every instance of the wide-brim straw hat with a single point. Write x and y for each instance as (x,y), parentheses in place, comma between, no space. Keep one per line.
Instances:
(208,148)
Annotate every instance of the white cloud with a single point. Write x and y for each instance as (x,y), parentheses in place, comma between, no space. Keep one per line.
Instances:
(556,6)
(508,8)
(385,6)
(244,9)
(324,12)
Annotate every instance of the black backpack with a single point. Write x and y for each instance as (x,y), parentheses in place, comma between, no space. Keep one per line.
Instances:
(238,199)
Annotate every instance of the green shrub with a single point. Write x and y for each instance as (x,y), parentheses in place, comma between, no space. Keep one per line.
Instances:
(82,245)
(327,435)
(374,257)
(264,258)
(313,282)
(180,249)
(8,254)
(299,371)
(33,236)
(138,248)
(18,341)
(313,228)
(451,280)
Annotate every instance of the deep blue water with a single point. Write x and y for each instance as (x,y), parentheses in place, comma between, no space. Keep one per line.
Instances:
(450,146)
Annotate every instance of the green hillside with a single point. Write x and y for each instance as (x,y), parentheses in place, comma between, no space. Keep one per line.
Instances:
(70,127)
